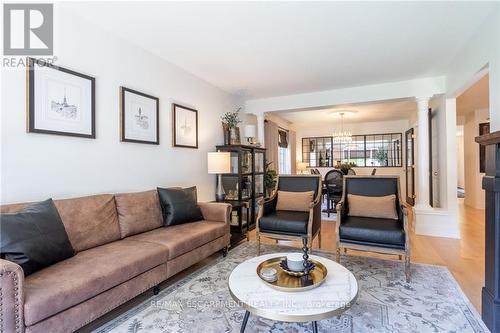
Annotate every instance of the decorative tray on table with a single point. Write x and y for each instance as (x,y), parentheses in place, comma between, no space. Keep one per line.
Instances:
(292,281)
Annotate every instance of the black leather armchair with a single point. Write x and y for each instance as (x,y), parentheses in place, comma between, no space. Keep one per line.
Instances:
(291,225)
(373,234)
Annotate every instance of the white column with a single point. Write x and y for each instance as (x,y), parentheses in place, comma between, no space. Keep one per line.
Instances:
(423,154)
(260,128)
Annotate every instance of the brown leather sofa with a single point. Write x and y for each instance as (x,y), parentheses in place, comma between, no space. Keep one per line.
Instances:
(122,250)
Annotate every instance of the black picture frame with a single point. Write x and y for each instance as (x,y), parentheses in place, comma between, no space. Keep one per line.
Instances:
(174,122)
(123,134)
(30,95)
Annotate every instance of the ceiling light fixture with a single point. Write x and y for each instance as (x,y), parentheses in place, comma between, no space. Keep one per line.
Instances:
(342,136)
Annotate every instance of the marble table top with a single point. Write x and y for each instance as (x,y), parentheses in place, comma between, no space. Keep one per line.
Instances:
(331,298)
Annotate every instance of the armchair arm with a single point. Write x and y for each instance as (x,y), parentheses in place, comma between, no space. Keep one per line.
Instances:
(407,216)
(315,210)
(216,211)
(341,209)
(340,213)
(267,206)
(12,297)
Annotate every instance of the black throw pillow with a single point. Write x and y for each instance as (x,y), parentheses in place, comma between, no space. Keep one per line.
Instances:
(34,237)
(179,205)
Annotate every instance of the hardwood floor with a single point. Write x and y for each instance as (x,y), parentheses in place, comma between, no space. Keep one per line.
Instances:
(464,257)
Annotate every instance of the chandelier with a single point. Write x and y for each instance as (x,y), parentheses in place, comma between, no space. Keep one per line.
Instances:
(342,136)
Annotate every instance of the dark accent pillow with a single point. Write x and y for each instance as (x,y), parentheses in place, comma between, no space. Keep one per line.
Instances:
(34,237)
(179,205)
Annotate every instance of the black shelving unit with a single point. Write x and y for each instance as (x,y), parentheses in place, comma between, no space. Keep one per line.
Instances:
(244,186)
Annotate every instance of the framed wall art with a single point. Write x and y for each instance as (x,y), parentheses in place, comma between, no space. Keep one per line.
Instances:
(185,126)
(60,101)
(139,117)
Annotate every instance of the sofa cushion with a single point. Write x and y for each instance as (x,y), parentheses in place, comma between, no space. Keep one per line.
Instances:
(89,221)
(34,237)
(179,205)
(373,230)
(285,222)
(183,238)
(86,275)
(138,212)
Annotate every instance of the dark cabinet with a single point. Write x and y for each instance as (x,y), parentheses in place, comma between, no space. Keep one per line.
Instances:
(244,186)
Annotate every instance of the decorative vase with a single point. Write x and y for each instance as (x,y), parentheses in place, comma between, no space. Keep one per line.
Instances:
(227,134)
(234,138)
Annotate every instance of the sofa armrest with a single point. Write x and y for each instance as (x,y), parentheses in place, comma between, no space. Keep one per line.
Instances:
(11,297)
(216,211)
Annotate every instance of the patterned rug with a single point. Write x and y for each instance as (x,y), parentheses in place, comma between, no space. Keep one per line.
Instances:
(432,302)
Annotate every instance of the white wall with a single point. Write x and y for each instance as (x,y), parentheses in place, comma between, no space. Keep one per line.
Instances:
(474,194)
(38,166)
(394,126)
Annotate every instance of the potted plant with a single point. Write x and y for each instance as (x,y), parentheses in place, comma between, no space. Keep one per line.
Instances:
(381,157)
(230,121)
(270,179)
(344,167)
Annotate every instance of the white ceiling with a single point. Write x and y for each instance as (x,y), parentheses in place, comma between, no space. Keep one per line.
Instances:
(370,112)
(263,49)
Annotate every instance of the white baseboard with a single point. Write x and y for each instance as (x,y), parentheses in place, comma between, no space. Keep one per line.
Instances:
(437,223)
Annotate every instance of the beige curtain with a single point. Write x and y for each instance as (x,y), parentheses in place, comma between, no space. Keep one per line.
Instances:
(292,137)
(271,144)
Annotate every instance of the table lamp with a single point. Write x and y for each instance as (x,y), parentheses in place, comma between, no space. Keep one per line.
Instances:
(219,163)
(302,166)
(250,133)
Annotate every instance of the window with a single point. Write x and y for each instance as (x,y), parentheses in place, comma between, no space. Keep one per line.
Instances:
(375,150)
(284,166)
(318,151)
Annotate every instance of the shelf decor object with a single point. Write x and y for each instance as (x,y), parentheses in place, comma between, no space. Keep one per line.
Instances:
(139,117)
(230,121)
(293,282)
(219,163)
(59,101)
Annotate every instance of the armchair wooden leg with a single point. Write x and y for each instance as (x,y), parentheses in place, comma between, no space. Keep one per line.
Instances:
(257,236)
(338,255)
(319,239)
(407,268)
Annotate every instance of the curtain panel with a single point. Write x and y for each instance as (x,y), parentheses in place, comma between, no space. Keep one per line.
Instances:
(293,151)
(271,144)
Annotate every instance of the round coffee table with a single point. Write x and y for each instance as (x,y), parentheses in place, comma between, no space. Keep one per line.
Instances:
(334,296)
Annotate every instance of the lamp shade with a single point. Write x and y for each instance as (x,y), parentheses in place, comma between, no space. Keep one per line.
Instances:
(250,131)
(219,162)
(302,166)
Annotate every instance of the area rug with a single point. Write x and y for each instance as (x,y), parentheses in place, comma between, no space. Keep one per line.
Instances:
(431,302)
